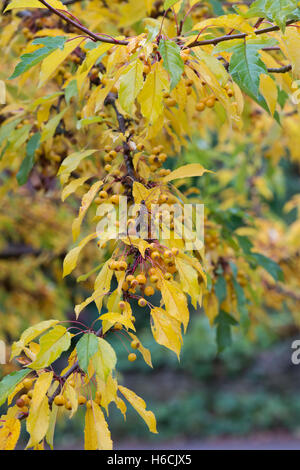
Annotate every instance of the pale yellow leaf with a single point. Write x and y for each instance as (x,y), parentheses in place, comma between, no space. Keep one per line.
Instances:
(186,171)
(53,61)
(96,433)
(85,204)
(37,422)
(9,433)
(24,4)
(151,96)
(140,406)
(166,330)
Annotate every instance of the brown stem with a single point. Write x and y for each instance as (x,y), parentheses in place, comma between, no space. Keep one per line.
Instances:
(82,28)
(228,37)
(284,69)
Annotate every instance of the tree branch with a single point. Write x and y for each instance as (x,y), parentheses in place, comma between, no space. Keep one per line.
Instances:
(82,28)
(284,69)
(229,37)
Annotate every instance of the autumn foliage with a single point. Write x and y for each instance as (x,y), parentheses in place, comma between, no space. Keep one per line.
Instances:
(97,101)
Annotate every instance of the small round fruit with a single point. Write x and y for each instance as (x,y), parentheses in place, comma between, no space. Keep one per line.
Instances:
(129,278)
(30,394)
(20,403)
(131,357)
(28,383)
(200,106)
(134,283)
(155,255)
(118,327)
(59,400)
(141,279)
(168,276)
(89,404)
(142,302)
(115,199)
(103,195)
(122,305)
(210,102)
(168,254)
(81,400)
(135,344)
(175,251)
(153,279)
(25,399)
(68,406)
(107,168)
(122,265)
(149,291)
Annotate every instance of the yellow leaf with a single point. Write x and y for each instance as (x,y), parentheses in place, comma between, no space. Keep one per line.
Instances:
(52,345)
(268,89)
(186,171)
(53,61)
(108,391)
(52,422)
(72,187)
(71,259)
(96,433)
(226,21)
(291,48)
(102,283)
(37,422)
(175,302)
(29,334)
(2,92)
(105,359)
(9,433)
(85,204)
(131,83)
(151,96)
(71,163)
(189,280)
(166,330)
(102,286)
(140,406)
(211,307)
(91,58)
(111,318)
(24,4)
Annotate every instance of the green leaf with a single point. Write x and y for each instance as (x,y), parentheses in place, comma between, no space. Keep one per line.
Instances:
(70,91)
(242,306)
(86,348)
(52,345)
(217,7)
(269,265)
(50,42)
(224,322)
(28,162)
(87,121)
(8,384)
(31,59)
(246,66)
(172,60)
(169,3)
(221,289)
(277,11)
